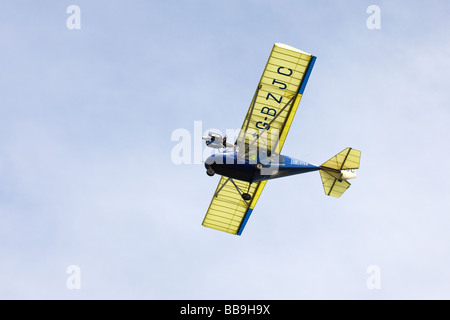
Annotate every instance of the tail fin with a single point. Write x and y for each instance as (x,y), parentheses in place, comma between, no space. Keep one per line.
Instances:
(334,179)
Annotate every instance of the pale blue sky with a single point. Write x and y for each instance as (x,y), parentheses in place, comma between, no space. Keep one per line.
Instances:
(86,178)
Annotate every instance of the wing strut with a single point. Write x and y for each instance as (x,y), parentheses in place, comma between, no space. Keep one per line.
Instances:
(252,107)
(217,193)
(245,196)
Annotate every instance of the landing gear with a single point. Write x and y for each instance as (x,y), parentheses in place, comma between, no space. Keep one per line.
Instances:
(210,172)
(246,196)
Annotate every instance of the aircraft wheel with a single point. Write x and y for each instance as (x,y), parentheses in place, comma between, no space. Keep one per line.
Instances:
(246,196)
(210,172)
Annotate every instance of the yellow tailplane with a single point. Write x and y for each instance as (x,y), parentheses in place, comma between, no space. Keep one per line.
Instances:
(336,171)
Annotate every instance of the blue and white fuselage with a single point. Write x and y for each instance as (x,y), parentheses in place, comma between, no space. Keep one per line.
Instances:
(229,164)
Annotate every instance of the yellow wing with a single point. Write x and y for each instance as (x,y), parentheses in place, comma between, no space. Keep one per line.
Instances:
(228,212)
(265,126)
(276,99)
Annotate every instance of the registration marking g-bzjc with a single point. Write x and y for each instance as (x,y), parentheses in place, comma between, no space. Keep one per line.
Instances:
(270,112)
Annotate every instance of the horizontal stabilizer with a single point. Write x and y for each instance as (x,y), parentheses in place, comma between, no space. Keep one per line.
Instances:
(346,159)
(332,186)
(337,170)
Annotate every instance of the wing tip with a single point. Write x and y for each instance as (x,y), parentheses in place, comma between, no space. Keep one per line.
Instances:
(288,47)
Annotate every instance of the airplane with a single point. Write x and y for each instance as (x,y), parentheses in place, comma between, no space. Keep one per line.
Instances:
(254,158)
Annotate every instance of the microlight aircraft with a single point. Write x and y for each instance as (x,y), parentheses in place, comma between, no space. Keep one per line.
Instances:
(255,158)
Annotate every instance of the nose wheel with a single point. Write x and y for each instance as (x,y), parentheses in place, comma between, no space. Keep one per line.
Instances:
(210,172)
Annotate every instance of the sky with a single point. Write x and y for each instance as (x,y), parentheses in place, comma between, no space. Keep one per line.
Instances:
(93,204)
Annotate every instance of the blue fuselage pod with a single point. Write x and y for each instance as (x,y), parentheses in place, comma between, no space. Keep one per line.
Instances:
(228,164)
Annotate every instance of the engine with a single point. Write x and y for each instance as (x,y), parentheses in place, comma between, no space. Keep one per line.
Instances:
(215,140)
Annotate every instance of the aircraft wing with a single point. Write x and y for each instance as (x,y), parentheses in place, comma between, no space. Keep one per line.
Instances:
(266,126)
(228,212)
(276,99)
